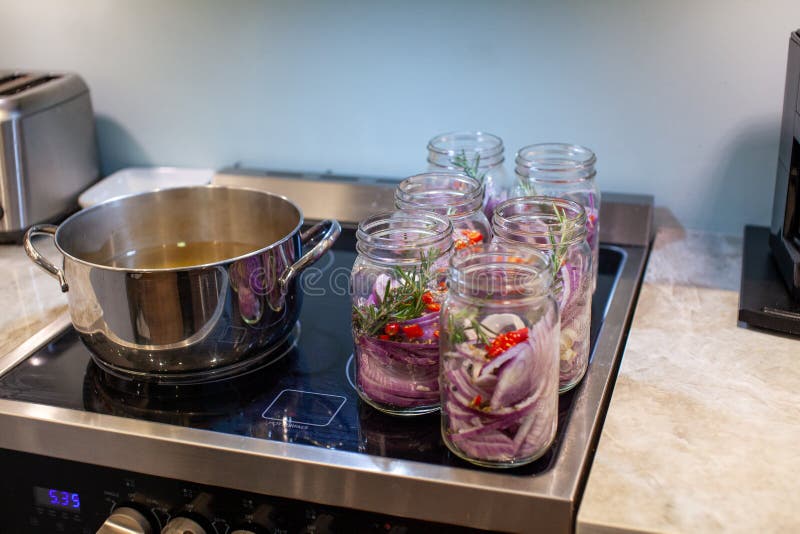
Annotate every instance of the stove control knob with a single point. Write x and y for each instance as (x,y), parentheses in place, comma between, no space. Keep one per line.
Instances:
(126,520)
(183,525)
(266,518)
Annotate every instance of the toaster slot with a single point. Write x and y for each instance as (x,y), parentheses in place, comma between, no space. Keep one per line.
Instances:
(8,78)
(25,83)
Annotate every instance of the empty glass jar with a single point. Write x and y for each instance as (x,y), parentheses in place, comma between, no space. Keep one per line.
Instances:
(455,195)
(499,350)
(566,171)
(479,155)
(398,282)
(558,227)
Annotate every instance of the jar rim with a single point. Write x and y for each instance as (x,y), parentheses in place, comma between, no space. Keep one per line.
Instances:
(500,272)
(383,235)
(556,162)
(535,221)
(480,142)
(446,193)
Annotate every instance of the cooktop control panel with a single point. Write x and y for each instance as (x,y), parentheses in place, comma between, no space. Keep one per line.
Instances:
(47,495)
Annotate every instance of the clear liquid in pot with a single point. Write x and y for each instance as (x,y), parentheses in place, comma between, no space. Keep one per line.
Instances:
(177,255)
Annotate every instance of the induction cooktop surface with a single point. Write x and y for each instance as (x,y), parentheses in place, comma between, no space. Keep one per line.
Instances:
(306,397)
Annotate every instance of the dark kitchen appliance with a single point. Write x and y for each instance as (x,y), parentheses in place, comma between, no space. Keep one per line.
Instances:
(289,448)
(770,289)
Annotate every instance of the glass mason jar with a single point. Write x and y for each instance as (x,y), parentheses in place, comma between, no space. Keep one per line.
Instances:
(566,171)
(558,227)
(397,283)
(479,155)
(499,350)
(455,195)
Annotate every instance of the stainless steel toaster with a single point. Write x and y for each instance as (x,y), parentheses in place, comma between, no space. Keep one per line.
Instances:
(48,151)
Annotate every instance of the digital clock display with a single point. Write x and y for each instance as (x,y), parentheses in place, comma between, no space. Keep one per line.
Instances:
(56,498)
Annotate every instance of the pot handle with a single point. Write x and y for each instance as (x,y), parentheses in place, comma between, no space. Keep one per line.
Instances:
(323,235)
(38,259)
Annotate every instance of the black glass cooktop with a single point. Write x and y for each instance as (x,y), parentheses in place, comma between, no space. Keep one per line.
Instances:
(307,397)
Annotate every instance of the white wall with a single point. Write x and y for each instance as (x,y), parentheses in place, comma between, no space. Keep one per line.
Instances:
(680,99)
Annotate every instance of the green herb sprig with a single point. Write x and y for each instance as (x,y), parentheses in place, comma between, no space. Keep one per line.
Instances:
(526,188)
(470,169)
(457,330)
(400,303)
(559,257)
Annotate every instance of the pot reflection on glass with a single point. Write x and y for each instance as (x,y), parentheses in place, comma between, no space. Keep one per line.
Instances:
(184,284)
(383,435)
(206,405)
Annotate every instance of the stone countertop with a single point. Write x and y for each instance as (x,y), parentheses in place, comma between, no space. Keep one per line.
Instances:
(703,428)
(29,298)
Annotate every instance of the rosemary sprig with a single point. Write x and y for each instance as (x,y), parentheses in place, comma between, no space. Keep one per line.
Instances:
(526,188)
(457,330)
(470,169)
(559,246)
(399,303)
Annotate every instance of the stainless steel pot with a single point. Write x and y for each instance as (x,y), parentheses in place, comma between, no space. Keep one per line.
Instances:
(191,323)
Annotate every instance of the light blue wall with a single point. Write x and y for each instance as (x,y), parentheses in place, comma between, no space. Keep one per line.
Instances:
(680,99)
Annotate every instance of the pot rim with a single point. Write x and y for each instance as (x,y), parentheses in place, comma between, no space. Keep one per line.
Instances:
(226,261)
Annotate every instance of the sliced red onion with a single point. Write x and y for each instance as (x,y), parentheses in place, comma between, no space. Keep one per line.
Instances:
(519,421)
(386,351)
(461,380)
(517,379)
(544,425)
(576,317)
(488,381)
(492,200)
(501,360)
(524,429)
(494,446)
(400,385)
(401,371)
(403,374)
(591,222)
(477,356)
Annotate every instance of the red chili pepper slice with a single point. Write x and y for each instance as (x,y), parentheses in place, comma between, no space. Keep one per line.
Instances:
(436,334)
(392,329)
(476,402)
(505,341)
(413,331)
(433,306)
(427,297)
(383,337)
(473,236)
